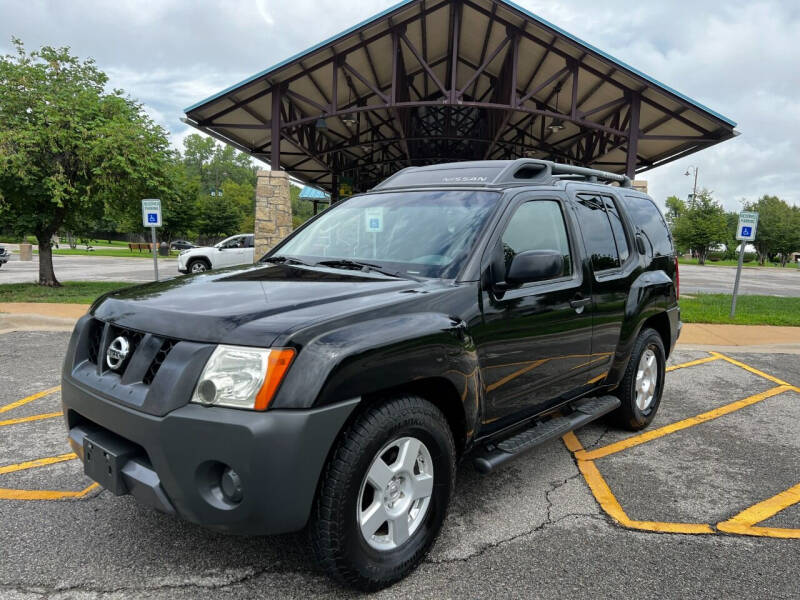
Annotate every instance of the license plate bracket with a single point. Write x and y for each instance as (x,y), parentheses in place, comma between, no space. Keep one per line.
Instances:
(104,456)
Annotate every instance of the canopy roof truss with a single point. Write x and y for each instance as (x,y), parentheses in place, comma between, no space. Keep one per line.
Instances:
(433,81)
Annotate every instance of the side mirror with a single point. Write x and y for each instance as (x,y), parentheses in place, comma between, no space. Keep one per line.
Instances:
(534,265)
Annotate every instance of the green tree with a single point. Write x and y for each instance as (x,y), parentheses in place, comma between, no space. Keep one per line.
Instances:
(243,197)
(302,210)
(181,209)
(675,208)
(731,222)
(216,163)
(701,225)
(778,229)
(69,148)
(218,218)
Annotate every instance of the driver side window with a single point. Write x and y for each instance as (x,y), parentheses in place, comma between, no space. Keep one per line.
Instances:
(537,225)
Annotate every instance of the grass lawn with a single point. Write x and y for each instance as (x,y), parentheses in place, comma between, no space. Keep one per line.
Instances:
(733,263)
(71,292)
(109,252)
(750,310)
(7,239)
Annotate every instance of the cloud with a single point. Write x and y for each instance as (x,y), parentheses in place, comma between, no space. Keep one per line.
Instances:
(737,57)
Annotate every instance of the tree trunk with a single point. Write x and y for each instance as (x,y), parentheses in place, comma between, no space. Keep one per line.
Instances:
(701,257)
(47,275)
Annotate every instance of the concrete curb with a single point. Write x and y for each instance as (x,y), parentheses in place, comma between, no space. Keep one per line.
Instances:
(33,322)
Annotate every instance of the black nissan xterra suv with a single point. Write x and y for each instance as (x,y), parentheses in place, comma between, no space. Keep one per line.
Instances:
(470,309)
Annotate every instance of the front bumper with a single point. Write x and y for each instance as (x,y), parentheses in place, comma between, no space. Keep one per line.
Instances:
(173,462)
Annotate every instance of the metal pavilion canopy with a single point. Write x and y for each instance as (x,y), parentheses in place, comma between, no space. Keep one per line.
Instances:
(431,81)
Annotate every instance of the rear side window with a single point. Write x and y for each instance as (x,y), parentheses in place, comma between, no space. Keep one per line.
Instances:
(598,234)
(618,229)
(651,223)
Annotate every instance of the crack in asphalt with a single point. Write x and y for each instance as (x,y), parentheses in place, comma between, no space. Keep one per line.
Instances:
(548,521)
(606,430)
(45,592)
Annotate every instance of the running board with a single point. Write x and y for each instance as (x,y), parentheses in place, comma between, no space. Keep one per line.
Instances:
(583,411)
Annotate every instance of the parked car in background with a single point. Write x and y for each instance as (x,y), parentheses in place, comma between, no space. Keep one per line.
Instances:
(3,256)
(182,245)
(235,250)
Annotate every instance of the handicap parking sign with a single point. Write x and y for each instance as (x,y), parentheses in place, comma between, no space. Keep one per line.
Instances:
(748,222)
(151,212)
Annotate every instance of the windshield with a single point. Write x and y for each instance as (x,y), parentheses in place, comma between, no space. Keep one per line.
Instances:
(428,234)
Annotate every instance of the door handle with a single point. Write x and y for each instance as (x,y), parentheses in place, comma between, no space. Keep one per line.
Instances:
(579,303)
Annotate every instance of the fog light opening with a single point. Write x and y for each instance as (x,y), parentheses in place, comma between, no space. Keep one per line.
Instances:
(231,485)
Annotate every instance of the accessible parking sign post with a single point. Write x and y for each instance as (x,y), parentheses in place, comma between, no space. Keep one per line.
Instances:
(151,217)
(745,232)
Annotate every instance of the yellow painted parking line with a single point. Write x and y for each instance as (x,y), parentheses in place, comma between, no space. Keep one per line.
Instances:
(755,371)
(39,462)
(12,494)
(609,503)
(692,363)
(31,418)
(16,494)
(30,398)
(745,522)
(653,434)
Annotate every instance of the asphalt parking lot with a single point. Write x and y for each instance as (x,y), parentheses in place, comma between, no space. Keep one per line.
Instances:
(90,268)
(755,280)
(704,504)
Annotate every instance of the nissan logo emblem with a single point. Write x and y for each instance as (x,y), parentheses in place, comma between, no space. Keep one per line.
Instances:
(117,352)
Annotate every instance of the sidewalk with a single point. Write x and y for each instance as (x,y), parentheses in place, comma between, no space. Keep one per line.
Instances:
(33,316)
(15,316)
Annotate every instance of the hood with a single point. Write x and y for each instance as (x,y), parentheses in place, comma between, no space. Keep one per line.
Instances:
(249,305)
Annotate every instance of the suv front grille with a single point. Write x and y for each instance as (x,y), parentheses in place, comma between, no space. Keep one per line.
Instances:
(96,351)
(95,339)
(161,356)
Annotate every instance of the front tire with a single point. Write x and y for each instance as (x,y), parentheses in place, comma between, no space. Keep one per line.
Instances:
(197,266)
(384,493)
(643,382)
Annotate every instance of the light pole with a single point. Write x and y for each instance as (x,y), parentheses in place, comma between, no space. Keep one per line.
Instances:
(688,172)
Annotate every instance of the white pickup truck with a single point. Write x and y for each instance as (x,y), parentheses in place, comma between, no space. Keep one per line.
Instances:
(235,250)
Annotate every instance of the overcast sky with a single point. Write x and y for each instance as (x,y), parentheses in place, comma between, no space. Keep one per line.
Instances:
(738,57)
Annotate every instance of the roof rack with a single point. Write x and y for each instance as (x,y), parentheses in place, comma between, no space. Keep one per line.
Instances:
(523,168)
(498,173)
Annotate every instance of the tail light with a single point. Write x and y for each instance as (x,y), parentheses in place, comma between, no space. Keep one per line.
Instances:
(677,280)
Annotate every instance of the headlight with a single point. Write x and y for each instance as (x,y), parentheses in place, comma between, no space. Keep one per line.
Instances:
(241,377)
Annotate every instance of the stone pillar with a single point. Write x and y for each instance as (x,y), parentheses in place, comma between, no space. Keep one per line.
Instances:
(640,185)
(273,210)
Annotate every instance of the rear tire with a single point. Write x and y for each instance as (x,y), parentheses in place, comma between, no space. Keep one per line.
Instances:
(354,527)
(643,382)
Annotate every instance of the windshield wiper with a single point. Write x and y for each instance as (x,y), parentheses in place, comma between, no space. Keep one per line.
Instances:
(345,263)
(287,260)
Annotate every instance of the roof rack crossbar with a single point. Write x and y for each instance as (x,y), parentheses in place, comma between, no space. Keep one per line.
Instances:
(592,175)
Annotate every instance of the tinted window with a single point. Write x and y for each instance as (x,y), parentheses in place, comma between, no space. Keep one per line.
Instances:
(537,225)
(618,229)
(249,241)
(649,220)
(597,233)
